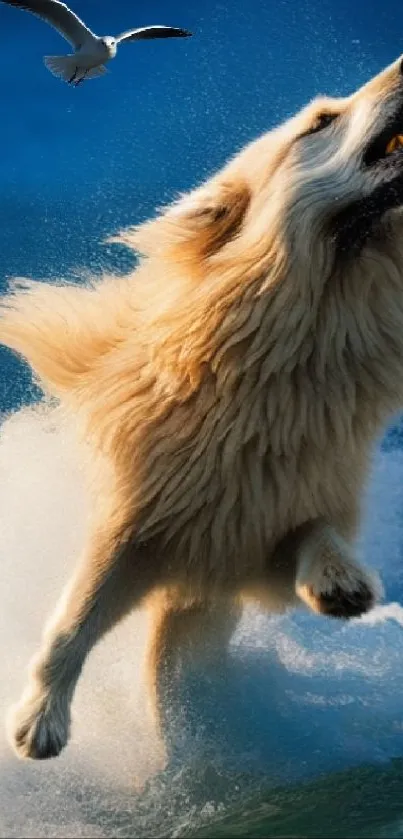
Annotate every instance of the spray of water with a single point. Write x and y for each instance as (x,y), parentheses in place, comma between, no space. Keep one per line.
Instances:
(299,695)
(43,511)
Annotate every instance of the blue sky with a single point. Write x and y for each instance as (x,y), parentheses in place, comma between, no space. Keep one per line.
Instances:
(75,163)
(78,163)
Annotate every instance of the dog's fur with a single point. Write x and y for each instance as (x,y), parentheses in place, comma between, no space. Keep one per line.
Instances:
(230,392)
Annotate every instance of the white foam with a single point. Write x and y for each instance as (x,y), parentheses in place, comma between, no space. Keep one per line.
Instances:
(43,512)
(388,612)
(300,695)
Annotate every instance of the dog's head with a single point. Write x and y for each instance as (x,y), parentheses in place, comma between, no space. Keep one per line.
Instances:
(344,167)
(336,167)
(293,252)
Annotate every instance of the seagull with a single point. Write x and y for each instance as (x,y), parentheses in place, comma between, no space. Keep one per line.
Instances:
(91,52)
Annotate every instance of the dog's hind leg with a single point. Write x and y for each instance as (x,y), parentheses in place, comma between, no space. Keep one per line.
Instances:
(110,581)
(179,632)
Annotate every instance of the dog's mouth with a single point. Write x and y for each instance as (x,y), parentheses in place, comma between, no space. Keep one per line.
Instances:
(387,145)
(361,221)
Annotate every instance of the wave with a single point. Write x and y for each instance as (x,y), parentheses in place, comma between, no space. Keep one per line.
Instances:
(298,696)
(364,802)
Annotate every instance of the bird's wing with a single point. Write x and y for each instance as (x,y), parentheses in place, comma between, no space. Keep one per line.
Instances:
(58,15)
(147,32)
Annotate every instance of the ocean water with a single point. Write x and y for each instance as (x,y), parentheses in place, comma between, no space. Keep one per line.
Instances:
(298,732)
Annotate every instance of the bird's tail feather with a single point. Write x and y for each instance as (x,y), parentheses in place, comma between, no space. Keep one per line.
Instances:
(96,71)
(62,66)
(65,68)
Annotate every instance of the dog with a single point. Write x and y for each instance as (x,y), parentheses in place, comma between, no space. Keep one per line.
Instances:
(230,393)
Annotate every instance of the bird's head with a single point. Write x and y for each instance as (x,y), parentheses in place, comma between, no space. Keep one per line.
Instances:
(110,43)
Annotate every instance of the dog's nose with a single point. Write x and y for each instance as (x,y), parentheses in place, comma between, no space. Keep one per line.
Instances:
(401,66)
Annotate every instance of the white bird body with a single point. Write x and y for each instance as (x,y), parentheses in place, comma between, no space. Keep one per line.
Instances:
(91,52)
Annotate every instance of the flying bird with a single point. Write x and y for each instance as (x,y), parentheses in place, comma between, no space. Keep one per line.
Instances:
(91,52)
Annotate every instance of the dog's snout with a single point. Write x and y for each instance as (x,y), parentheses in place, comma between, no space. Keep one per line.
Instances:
(401,66)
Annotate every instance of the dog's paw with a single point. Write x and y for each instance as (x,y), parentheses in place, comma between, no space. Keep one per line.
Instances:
(341,601)
(38,727)
(338,587)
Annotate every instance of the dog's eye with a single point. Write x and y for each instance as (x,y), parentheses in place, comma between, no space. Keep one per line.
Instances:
(321,121)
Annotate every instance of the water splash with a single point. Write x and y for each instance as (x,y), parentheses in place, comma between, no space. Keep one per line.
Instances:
(298,695)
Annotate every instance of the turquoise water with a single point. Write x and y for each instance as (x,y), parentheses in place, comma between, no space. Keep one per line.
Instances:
(299,732)
(365,802)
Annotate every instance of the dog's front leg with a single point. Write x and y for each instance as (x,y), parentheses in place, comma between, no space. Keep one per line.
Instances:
(328,577)
(109,582)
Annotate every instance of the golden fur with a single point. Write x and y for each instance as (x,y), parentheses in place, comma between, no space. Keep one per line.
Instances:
(230,392)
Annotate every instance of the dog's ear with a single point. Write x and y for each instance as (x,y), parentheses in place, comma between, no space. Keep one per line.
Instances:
(207,220)
(197,226)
